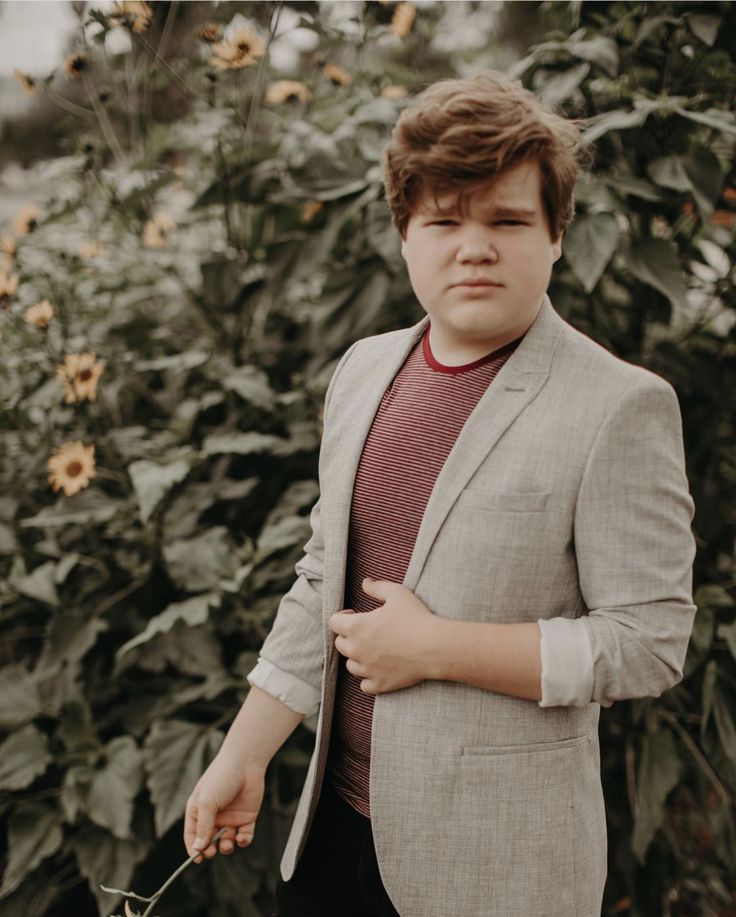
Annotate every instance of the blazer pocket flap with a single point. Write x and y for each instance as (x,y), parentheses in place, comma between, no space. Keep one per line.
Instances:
(507,501)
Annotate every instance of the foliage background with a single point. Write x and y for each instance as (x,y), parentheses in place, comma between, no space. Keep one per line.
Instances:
(132,610)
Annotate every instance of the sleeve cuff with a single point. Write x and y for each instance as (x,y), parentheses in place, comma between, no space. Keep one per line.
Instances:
(567,663)
(290,690)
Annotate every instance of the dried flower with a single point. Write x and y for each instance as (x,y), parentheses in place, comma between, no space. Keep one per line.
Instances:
(71,467)
(26,220)
(394,92)
(338,76)
(239,50)
(8,286)
(40,314)
(8,245)
(209,32)
(310,210)
(131,14)
(402,21)
(283,90)
(30,85)
(79,373)
(75,64)
(157,231)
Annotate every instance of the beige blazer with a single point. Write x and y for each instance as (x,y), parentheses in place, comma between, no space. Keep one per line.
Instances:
(565,495)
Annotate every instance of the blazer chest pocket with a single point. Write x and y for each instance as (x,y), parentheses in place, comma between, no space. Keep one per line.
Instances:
(506,501)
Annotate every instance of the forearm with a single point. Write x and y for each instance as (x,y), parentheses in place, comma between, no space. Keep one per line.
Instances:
(261,727)
(497,657)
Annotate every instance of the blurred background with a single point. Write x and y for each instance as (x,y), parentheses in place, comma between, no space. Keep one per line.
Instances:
(192,232)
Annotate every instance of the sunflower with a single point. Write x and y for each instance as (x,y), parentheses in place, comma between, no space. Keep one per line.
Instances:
(8,286)
(71,467)
(157,231)
(394,92)
(29,84)
(79,373)
(239,50)
(40,314)
(338,76)
(75,64)
(131,14)
(283,90)
(26,220)
(402,21)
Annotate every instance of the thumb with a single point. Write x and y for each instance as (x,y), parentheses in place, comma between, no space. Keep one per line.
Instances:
(205,824)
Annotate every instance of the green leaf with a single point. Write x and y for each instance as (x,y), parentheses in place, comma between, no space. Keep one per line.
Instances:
(619,119)
(176,361)
(252,385)
(656,263)
(34,833)
(716,118)
(559,86)
(86,508)
(723,715)
(242,443)
(76,730)
(23,757)
(176,754)
(20,700)
(106,860)
(152,482)
(289,532)
(589,245)
(200,563)
(115,786)
(659,772)
(706,176)
(704,26)
(192,612)
(39,584)
(669,172)
(68,638)
(727,632)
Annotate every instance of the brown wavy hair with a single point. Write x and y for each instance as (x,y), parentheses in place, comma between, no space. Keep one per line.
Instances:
(458,134)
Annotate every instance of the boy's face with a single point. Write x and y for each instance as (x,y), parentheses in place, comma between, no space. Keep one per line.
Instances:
(481,276)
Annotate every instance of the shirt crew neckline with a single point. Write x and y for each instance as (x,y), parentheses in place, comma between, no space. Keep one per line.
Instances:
(434,364)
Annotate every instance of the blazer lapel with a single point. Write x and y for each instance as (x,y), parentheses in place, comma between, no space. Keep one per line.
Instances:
(517,383)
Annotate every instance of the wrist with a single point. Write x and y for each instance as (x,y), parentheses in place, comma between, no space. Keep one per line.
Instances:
(441,634)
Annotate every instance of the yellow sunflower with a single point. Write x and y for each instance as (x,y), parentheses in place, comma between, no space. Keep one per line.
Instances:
(40,314)
(239,50)
(283,90)
(79,374)
(71,467)
(156,232)
(209,32)
(8,286)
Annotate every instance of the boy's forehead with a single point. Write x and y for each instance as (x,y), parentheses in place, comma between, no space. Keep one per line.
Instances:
(517,188)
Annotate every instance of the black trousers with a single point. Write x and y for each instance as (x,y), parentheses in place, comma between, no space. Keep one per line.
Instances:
(337,873)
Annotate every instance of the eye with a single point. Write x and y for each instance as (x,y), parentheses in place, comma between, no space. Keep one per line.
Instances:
(443,223)
(510,223)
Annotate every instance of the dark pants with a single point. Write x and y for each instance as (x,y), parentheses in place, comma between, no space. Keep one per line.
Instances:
(337,873)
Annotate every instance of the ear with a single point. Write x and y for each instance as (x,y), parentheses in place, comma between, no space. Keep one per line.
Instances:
(403,247)
(557,248)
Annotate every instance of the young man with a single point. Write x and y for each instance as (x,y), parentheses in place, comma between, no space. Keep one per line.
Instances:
(518,496)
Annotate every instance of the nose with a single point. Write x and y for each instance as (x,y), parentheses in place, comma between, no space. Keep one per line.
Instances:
(476,246)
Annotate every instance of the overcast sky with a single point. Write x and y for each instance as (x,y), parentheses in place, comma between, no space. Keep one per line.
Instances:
(33,34)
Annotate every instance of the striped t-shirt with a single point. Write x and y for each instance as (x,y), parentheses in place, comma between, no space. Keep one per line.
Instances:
(416,425)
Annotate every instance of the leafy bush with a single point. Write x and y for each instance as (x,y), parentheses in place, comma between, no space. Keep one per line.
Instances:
(204,271)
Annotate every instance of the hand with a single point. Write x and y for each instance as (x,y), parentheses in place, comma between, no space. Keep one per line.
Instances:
(392,646)
(226,795)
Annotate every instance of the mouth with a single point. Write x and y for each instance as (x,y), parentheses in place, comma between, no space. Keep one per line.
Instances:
(477,283)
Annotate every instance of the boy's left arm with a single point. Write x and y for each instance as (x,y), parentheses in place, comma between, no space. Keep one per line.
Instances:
(634,549)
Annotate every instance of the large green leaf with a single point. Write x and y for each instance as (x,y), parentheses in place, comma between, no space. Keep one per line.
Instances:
(20,699)
(192,612)
(656,263)
(669,172)
(39,584)
(589,245)
(107,860)
(69,637)
(659,771)
(252,385)
(114,787)
(34,833)
(176,754)
(152,482)
(201,563)
(23,757)
(242,443)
